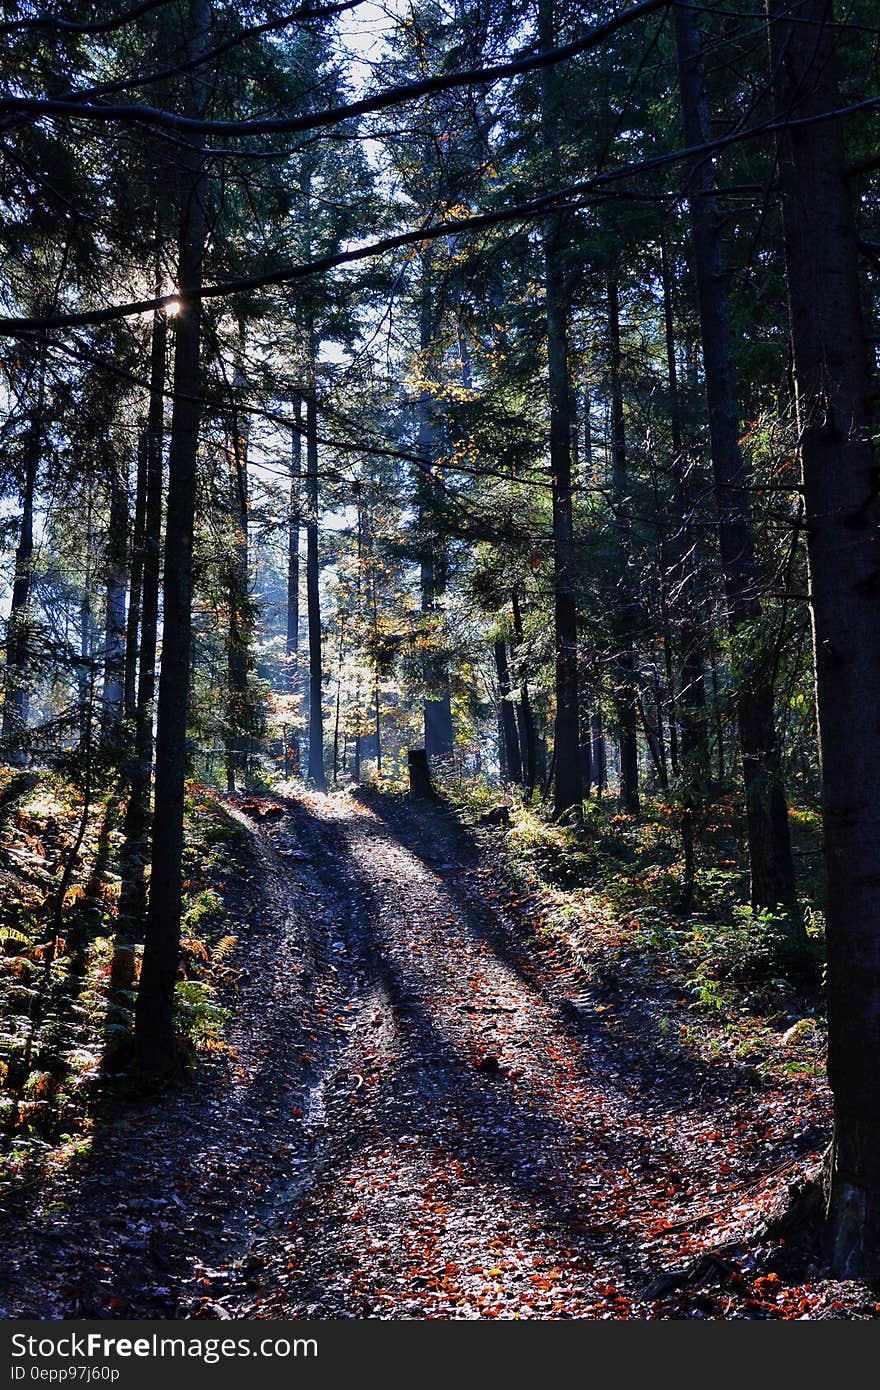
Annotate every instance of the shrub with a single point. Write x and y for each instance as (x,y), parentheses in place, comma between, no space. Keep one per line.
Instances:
(199,1020)
(758,947)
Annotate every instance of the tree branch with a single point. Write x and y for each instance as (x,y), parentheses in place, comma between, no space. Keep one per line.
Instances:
(534,207)
(69,26)
(255,31)
(37,108)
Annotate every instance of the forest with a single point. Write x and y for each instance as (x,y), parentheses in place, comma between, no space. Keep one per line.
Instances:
(439,646)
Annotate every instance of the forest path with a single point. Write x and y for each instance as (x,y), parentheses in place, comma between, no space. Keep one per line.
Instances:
(424,1113)
(486,1144)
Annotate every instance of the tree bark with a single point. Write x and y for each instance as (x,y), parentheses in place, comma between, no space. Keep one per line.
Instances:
(419,775)
(313,597)
(439,734)
(626,684)
(840,482)
(586,744)
(717,714)
(513,762)
(292,682)
(116,561)
(770,859)
(87,634)
(690,706)
(600,761)
(568,786)
(16,696)
(294,519)
(154,1017)
(135,582)
(359,714)
(135,852)
(238,714)
(340,657)
(690,702)
(152,562)
(525,718)
(374,619)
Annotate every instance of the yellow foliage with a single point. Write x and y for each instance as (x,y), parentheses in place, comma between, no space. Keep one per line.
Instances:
(224,948)
(193,946)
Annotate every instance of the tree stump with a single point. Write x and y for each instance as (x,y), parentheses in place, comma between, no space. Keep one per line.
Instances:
(419,775)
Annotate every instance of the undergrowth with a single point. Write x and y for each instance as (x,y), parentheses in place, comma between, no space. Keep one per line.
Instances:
(63,1013)
(745,985)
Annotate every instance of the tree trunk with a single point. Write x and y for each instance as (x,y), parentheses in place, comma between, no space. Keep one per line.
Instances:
(770,858)
(134,855)
(135,582)
(626,683)
(586,739)
(658,732)
(513,762)
(294,519)
(116,560)
(587,470)
(568,788)
(16,694)
(374,618)
(238,714)
(439,735)
(600,761)
(356,753)
(154,1018)
(291,678)
(525,718)
(146,687)
(86,666)
(340,656)
(718,716)
(835,425)
(419,775)
(691,702)
(316,677)
(360,628)
(690,707)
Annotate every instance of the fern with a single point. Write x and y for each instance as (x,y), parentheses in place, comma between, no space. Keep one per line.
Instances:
(224,948)
(19,937)
(194,946)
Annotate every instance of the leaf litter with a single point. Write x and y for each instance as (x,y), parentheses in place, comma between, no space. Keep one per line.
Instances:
(428,1111)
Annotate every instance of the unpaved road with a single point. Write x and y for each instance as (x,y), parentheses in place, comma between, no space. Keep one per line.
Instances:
(491,1143)
(423,1118)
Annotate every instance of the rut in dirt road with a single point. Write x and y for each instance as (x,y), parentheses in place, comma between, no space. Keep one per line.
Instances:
(481,1153)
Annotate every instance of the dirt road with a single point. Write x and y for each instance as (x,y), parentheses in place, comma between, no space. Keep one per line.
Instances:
(489,1142)
(424,1115)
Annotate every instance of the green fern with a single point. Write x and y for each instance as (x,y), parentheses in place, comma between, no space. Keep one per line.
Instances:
(19,937)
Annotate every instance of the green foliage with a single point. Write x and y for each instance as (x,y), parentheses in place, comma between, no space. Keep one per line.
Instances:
(767,952)
(61,1020)
(728,955)
(199,1020)
(202,910)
